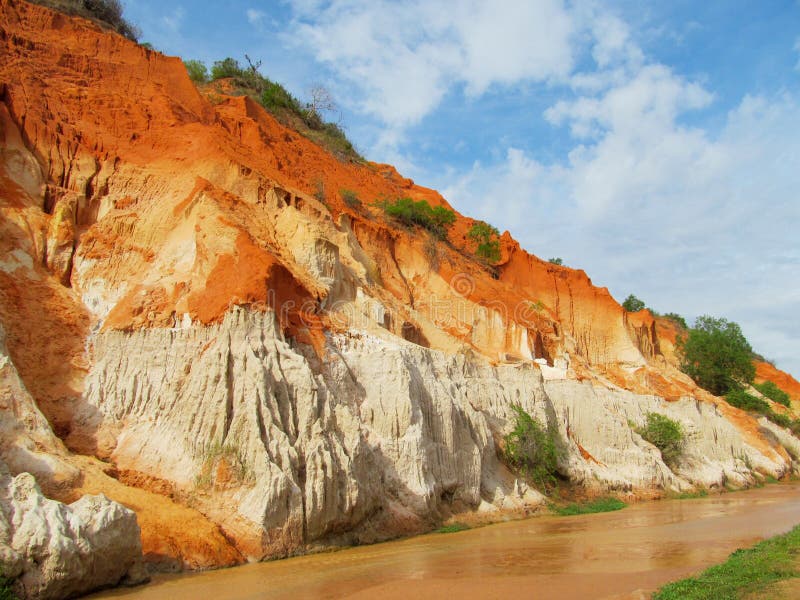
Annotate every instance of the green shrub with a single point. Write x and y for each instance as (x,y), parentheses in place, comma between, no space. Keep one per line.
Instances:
(665,434)
(595,506)
(486,237)
(319,191)
(350,198)
(197,71)
(774,393)
(677,319)
(745,401)
(274,96)
(436,219)
(632,304)
(780,419)
(748,402)
(555,261)
(716,355)
(227,67)
(531,449)
(287,109)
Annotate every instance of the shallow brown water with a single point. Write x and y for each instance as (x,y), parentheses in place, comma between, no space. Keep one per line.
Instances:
(624,554)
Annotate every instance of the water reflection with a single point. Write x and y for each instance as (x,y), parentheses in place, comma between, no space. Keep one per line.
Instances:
(586,556)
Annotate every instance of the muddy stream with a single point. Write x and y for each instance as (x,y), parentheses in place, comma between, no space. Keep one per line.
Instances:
(623,554)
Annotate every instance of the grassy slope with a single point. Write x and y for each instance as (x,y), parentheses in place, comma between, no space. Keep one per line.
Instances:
(746,573)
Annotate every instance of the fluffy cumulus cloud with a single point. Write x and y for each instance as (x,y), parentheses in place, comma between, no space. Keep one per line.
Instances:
(402,58)
(701,223)
(692,218)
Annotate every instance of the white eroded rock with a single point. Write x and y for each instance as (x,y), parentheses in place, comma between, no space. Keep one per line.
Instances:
(53,550)
(379,436)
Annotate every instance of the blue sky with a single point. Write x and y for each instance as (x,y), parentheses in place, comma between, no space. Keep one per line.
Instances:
(654,144)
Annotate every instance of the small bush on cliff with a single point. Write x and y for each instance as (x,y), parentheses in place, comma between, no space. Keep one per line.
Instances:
(773,392)
(665,434)
(486,237)
(743,400)
(532,449)
(436,219)
(555,261)
(716,355)
(107,13)
(197,71)
(677,319)
(306,118)
(633,304)
(350,198)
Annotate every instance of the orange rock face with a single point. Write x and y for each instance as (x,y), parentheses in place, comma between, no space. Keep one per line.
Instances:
(132,200)
(766,372)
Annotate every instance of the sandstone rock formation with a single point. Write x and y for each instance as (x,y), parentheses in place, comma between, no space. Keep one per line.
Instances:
(257,371)
(53,550)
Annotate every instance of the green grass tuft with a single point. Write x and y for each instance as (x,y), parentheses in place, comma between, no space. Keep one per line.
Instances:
(595,506)
(452,528)
(745,571)
(6,592)
(702,493)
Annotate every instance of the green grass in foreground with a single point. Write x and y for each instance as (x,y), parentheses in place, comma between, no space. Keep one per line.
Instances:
(595,506)
(452,528)
(745,572)
(5,589)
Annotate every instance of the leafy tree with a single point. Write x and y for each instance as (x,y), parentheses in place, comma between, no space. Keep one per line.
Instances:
(665,434)
(716,355)
(486,237)
(632,304)
(773,392)
(532,449)
(555,261)
(197,71)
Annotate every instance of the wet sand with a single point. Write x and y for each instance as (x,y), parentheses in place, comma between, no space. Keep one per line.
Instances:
(623,554)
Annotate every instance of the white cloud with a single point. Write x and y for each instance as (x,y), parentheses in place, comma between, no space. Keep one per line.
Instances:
(402,58)
(173,21)
(691,221)
(255,17)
